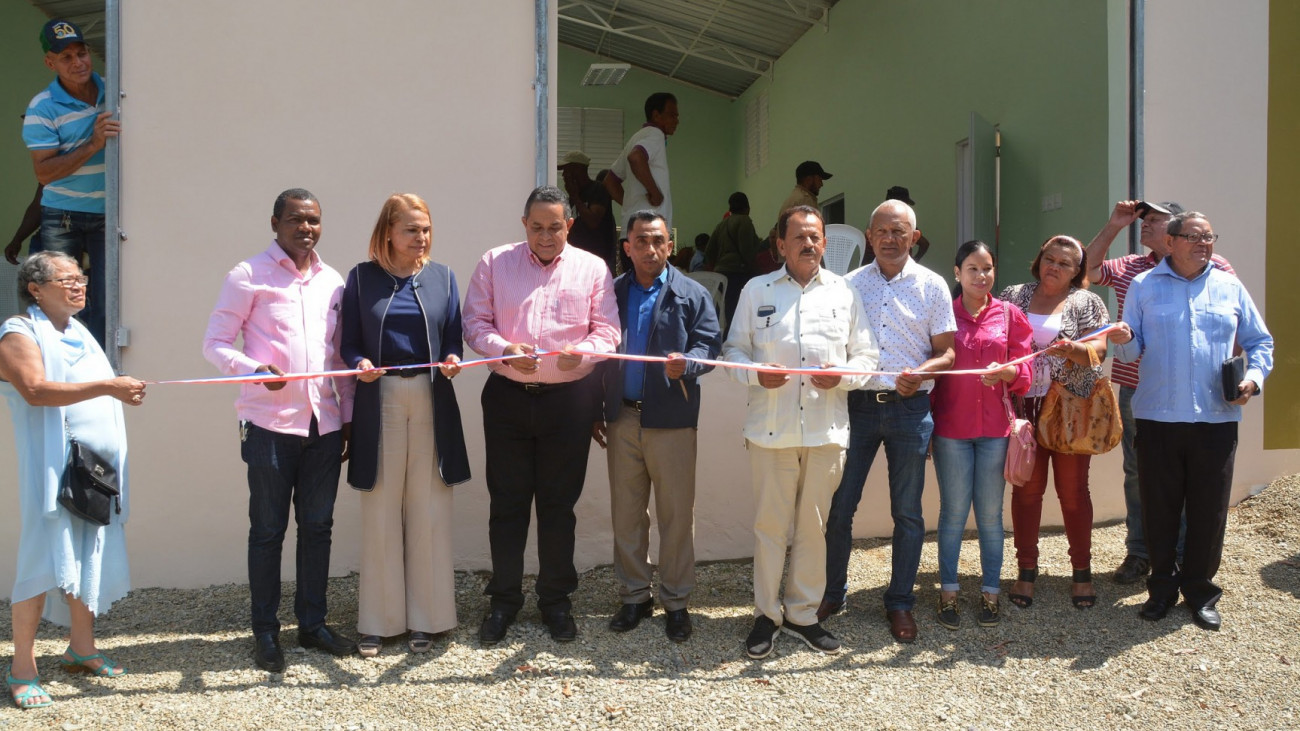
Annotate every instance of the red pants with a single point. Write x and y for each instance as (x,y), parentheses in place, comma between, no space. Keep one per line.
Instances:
(1070,473)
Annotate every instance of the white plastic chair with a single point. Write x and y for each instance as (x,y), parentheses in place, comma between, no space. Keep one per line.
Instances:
(717,285)
(844,247)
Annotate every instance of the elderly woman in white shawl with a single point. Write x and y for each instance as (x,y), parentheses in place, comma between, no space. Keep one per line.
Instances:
(59,384)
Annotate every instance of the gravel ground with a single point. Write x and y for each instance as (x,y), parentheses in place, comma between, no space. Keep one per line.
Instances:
(1050,665)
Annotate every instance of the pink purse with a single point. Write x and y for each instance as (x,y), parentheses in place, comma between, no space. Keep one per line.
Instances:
(1021,445)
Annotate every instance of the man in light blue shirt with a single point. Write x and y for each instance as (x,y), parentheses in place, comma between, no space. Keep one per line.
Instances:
(66,129)
(1182,319)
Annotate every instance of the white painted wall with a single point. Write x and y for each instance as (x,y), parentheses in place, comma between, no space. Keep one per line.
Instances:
(1206,147)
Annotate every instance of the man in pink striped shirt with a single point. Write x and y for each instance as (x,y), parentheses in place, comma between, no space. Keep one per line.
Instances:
(538,296)
(1119,273)
(285,303)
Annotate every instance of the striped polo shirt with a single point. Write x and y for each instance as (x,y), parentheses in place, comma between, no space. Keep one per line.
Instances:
(57,121)
(1119,273)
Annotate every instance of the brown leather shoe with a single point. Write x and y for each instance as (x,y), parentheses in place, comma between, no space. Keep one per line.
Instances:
(829,608)
(901,625)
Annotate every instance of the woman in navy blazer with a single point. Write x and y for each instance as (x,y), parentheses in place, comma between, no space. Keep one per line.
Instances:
(407,448)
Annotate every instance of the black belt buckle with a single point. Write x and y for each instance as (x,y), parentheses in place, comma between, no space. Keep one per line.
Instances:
(632,404)
(410,372)
(885,397)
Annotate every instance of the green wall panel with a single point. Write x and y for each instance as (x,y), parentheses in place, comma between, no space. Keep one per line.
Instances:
(1282,298)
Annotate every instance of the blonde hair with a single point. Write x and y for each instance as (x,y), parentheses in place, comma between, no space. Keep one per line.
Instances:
(381,247)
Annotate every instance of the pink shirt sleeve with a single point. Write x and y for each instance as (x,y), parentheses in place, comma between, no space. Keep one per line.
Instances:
(234,304)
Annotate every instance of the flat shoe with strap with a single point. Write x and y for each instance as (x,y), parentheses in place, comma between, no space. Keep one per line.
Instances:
(34,690)
(1083,601)
(81,664)
(1027,576)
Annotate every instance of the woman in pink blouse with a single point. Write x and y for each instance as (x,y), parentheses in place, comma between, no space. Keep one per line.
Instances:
(971,425)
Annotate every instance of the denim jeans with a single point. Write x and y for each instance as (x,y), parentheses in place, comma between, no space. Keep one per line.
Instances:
(1135,540)
(970,472)
(904,427)
(76,234)
(284,470)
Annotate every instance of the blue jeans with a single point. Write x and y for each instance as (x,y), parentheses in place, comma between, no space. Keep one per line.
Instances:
(284,470)
(1135,541)
(970,471)
(76,234)
(904,427)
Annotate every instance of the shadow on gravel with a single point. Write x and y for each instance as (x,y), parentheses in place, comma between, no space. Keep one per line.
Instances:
(1283,575)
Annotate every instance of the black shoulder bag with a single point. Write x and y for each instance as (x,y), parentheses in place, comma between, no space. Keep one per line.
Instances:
(89,488)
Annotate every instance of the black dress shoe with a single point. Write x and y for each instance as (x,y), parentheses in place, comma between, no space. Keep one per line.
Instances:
(327,639)
(1155,608)
(494,627)
(267,653)
(678,625)
(1207,618)
(629,616)
(561,625)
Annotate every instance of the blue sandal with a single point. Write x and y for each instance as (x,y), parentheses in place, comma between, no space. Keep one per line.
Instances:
(78,664)
(34,690)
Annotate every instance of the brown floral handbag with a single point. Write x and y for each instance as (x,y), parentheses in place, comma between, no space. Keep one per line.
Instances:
(1072,424)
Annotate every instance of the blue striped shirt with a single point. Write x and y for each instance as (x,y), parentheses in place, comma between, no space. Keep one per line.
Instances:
(1183,329)
(58,121)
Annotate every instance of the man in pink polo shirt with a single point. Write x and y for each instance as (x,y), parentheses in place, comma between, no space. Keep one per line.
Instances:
(285,303)
(538,295)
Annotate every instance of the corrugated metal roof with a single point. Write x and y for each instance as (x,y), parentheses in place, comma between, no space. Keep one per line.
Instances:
(87,14)
(721,45)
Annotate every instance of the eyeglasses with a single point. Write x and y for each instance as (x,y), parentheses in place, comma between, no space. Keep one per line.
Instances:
(1199,238)
(71,282)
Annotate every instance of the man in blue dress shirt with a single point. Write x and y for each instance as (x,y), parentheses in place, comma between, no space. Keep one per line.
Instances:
(1182,319)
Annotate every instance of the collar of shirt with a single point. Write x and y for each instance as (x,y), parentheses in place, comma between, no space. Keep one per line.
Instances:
(284,261)
(62,96)
(1165,269)
(909,269)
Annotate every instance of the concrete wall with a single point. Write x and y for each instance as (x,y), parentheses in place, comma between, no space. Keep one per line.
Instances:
(1215,160)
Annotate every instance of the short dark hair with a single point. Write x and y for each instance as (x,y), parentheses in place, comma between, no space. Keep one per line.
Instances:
(548,195)
(292,194)
(783,222)
(645,216)
(1176,223)
(738,203)
(657,102)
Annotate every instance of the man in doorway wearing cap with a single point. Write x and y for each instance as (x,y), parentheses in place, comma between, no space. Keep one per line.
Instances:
(66,128)
(809,178)
(593,228)
(1119,273)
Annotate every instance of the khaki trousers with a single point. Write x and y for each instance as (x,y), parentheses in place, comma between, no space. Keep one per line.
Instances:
(664,458)
(407,578)
(792,488)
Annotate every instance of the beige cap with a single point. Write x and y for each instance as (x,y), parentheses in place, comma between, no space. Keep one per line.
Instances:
(573,158)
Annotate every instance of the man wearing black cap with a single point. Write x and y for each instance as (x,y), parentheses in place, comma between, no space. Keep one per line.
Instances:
(66,128)
(809,178)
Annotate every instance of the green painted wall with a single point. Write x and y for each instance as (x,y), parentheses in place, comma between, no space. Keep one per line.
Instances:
(883,97)
(702,155)
(24,75)
(1282,299)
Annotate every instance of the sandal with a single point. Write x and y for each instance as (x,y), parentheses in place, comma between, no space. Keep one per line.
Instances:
(81,664)
(368,645)
(420,642)
(1082,601)
(1027,576)
(34,690)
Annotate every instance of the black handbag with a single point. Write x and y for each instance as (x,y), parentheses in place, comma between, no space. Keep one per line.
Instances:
(89,488)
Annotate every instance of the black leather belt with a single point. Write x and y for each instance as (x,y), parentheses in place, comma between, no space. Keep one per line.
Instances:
(889,397)
(632,404)
(535,389)
(408,372)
